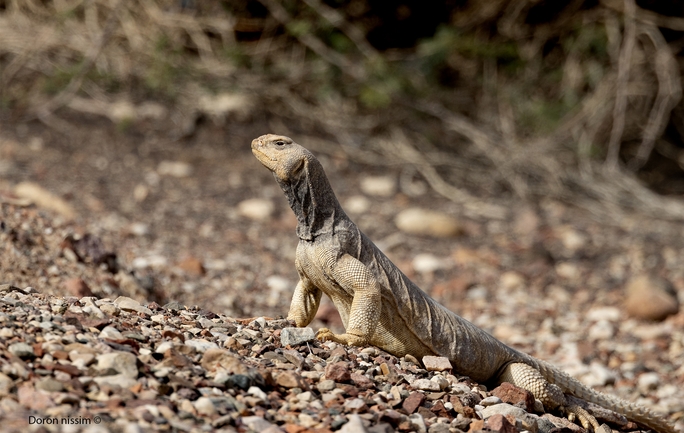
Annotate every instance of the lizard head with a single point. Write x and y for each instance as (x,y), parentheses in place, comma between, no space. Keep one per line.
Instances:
(281,155)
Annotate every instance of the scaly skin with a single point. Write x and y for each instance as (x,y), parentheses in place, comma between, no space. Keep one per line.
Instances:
(380,306)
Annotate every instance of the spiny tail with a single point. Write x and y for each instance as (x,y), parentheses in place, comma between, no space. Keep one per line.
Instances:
(632,411)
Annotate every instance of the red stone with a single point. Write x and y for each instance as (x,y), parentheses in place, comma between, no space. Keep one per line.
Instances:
(339,372)
(499,423)
(509,393)
(413,402)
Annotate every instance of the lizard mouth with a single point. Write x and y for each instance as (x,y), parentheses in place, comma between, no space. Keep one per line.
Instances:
(264,159)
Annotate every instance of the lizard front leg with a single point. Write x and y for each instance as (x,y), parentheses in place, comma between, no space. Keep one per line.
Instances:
(551,396)
(305,302)
(354,277)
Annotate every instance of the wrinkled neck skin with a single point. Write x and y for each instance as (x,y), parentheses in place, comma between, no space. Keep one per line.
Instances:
(313,202)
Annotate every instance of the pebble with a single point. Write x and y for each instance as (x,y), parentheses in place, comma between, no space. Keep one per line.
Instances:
(648,382)
(378,186)
(121,362)
(427,263)
(436,363)
(338,372)
(425,385)
(22,350)
(6,385)
(111,333)
(204,406)
(295,336)
(354,425)
(174,169)
(491,400)
(357,205)
(257,209)
(127,304)
(425,222)
(650,298)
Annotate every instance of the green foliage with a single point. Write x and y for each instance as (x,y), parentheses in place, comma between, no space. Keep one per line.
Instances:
(55,83)
(448,41)
(164,70)
(298,28)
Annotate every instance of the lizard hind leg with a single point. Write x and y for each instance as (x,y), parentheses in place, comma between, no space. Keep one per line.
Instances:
(551,396)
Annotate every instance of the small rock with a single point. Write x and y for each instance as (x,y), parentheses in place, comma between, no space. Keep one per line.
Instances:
(121,362)
(648,382)
(439,428)
(44,199)
(503,409)
(111,333)
(417,423)
(174,168)
(568,270)
(356,404)
(127,304)
(509,393)
(290,379)
(257,392)
(428,263)
(33,399)
(201,345)
(424,222)
(354,425)
(338,372)
(204,406)
(491,400)
(278,287)
(436,363)
(215,358)
(650,298)
(295,336)
(121,380)
(601,331)
(326,385)
(380,186)
(499,423)
(362,381)
(192,266)
(357,204)
(50,385)
(77,287)
(441,381)
(511,280)
(22,350)
(257,209)
(413,402)
(572,240)
(425,385)
(256,423)
(294,357)
(6,385)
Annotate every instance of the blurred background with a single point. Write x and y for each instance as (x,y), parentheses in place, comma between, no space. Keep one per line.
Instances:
(548,133)
(522,161)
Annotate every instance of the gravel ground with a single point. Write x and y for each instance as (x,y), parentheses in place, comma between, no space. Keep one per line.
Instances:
(103,217)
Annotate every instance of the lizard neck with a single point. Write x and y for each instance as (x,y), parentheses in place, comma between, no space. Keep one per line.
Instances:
(313,201)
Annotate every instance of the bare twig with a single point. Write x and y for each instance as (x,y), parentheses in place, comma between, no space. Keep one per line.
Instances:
(399,145)
(353,32)
(669,95)
(63,97)
(624,65)
(313,43)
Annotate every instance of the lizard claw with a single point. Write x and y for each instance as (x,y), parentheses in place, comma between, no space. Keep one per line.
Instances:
(585,418)
(325,334)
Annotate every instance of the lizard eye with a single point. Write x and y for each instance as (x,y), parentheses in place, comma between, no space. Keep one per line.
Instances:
(280,143)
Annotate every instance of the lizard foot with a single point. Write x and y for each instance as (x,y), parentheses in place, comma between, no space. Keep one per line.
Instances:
(325,334)
(586,419)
